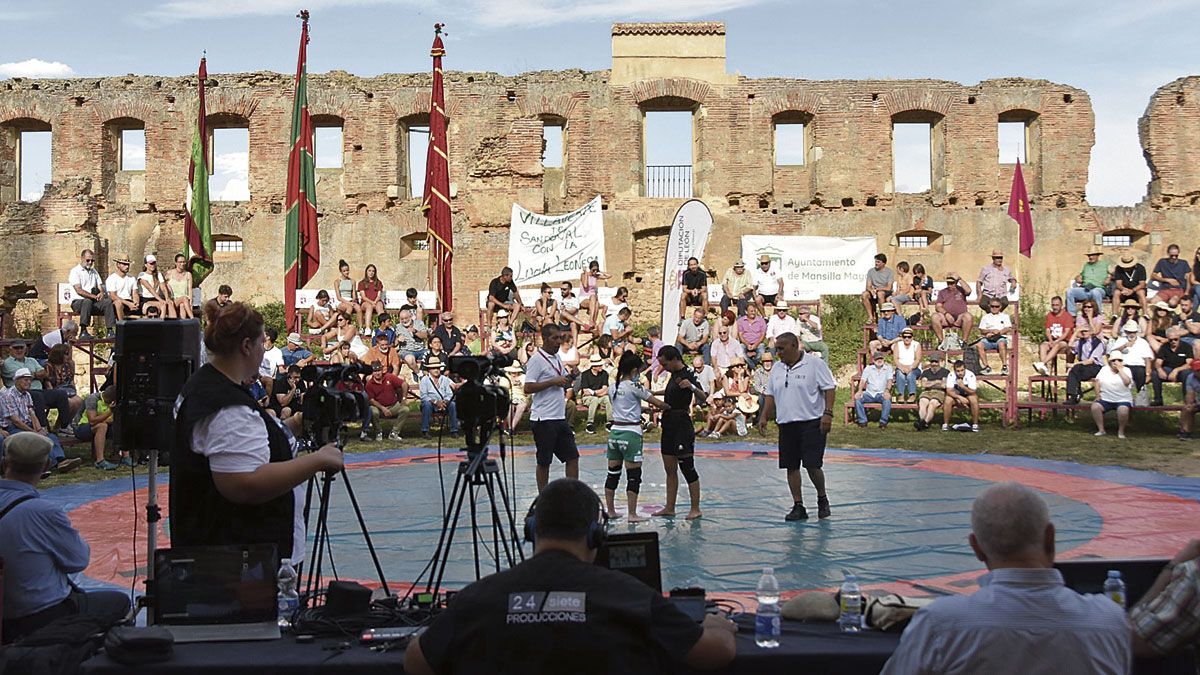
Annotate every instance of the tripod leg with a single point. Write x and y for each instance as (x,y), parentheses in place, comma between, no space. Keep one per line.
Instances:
(443,554)
(499,538)
(313,585)
(362,526)
(512,522)
(475,531)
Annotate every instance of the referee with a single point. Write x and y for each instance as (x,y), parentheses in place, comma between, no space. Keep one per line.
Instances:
(800,391)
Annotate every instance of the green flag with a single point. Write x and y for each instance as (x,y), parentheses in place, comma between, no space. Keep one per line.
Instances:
(197,224)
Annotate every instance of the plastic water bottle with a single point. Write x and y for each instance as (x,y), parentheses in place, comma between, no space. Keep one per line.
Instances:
(289,599)
(766,620)
(850,619)
(1114,587)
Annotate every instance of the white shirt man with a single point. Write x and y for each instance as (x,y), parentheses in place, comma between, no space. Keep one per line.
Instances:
(724,350)
(780,322)
(546,379)
(967,380)
(122,284)
(997,321)
(86,279)
(767,281)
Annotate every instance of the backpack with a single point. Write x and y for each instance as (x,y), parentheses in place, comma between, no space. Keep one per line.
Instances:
(58,648)
(950,342)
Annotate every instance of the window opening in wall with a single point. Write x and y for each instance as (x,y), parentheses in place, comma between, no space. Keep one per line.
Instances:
(34,161)
(228,245)
(327,142)
(418,148)
(912,156)
(1012,138)
(552,146)
(914,241)
(789,143)
(1116,240)
(133,150)
(668,144)
(230,165)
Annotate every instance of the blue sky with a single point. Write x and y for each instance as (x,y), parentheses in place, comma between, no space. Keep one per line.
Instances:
(1120,52)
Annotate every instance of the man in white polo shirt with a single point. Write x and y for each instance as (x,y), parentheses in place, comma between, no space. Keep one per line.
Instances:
(546,380)
(88,296)
(800,391)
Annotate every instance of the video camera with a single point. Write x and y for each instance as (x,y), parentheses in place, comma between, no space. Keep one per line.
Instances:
(327,409)
(481,404)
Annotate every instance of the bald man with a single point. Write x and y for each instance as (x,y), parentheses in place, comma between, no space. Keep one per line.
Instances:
(1022,619)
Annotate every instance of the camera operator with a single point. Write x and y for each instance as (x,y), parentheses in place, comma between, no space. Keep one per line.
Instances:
(559,613)
(545,382)
(235,476)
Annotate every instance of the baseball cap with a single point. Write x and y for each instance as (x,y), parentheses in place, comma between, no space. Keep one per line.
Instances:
(151,259)
(879,355)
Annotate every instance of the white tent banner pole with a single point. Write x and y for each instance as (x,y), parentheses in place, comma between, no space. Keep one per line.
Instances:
(689,235)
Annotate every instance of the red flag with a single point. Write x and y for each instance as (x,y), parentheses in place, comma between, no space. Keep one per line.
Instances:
(301,247)
(1018,210)
(436,204)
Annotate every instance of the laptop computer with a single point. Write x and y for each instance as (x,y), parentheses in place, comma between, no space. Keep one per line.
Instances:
(217,593)
(1087,575)
(635,554)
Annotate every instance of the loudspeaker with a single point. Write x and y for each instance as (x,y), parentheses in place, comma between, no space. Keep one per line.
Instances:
(153,359)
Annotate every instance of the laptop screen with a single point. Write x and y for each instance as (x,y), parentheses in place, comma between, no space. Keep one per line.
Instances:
(198,585)
(635,554)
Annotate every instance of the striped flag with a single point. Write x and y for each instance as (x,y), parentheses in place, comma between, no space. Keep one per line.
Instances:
(436,204)
(302,248)
(197,219)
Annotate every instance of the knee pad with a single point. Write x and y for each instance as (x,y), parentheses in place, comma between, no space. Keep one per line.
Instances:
(634,482)
(687,466)
(613,480)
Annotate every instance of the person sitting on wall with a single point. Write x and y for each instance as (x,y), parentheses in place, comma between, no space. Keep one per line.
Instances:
(17,415)
(88,294)
(1171,363)
(1135,352)
(437,396)
(122,288)
(1114,391)
(387,393)
(810,332)
(294,353)
(694,336)
(503,294)
(223,299)
(98,412)
(694,288)
(1191,401)
(994,329)
(453,340)
(995,282)
(951,309)
(738,288)
(1060,330)
(1129,282)
(1171,274)
(780,323)
(933,392)
(768,284)
(962,389)
(321,316)
(1089,357)
(40,348)
(887,330)
(752,333)
(881,283)
(875,386)
(1090,282)
(386,355)
(1189,321)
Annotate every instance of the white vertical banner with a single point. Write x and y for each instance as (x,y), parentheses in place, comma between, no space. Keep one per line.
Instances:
(555,248)
(689,235)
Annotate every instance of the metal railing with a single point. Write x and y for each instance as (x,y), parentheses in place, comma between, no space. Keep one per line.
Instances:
(669,180)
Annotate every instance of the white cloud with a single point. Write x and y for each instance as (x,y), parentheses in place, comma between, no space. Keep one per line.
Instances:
(508,13)
(35,68)
(174,11)
(230,179)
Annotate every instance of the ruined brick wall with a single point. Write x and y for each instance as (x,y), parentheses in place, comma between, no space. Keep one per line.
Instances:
(1170,134)
(845,188)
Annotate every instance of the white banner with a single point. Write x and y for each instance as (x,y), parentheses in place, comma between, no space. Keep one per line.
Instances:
(814,266)
(689,235)
(555,248)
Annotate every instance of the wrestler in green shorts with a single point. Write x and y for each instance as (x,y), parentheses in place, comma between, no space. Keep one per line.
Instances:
(624,445)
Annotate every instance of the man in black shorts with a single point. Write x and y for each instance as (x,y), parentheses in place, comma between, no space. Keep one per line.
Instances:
(695,288)
(678,434)
(800,391)
(559,613)
(503,294)
(546,380)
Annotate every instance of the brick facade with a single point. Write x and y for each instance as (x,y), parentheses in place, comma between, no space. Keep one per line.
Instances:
(367,215)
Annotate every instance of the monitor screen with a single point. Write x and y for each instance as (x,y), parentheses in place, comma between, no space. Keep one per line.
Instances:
(635,554)
(216,584)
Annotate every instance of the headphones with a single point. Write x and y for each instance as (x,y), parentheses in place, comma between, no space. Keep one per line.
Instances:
(597,532)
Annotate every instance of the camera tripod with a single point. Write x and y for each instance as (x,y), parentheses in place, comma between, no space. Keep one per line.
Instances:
(314,580)
(478,472)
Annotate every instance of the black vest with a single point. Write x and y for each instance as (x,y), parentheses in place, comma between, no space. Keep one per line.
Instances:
(200,515)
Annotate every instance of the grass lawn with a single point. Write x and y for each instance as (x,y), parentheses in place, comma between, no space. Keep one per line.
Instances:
(1151,445)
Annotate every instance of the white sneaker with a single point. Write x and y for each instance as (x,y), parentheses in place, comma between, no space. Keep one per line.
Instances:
(975,428)
(364,436)
(379,436)
(945,427)
(1099,433)
(1041,367)
(394,437)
